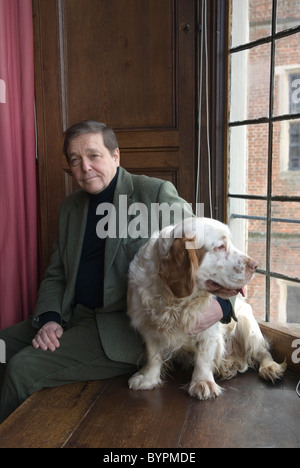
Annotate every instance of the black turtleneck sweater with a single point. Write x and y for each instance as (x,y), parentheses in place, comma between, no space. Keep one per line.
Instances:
(90,276)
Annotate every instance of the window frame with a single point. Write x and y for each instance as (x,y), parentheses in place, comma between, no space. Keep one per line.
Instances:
(269,198)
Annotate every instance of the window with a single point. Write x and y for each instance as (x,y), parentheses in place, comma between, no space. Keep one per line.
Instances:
(294,130)
(288,85)
(264,150)
(294,150)
(293,301)
(294,87)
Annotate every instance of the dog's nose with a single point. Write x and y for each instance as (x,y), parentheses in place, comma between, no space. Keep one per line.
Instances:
(252,264)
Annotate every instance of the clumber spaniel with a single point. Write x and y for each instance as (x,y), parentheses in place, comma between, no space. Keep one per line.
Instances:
(171,280)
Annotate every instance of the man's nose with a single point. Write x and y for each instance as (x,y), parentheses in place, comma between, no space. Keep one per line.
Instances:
(85,164)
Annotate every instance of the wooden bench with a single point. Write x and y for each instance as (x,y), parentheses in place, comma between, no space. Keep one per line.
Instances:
(250,413)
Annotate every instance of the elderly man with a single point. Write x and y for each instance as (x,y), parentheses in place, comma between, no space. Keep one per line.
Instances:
(80,330)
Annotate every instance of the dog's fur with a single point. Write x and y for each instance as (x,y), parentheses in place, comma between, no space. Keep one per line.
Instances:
(171,281)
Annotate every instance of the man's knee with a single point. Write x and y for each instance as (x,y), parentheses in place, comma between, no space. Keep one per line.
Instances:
(16,338)
(20,369)
(15,366)
(18,379)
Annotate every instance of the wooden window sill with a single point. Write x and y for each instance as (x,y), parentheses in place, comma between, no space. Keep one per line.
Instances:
(251,413)
(282,338)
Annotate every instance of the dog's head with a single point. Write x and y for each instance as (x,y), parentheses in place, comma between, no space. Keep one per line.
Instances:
(200,256)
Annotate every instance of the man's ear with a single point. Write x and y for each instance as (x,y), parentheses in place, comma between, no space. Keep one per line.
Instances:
(116,157)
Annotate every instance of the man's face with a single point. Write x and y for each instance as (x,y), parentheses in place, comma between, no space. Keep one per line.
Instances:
(91,163)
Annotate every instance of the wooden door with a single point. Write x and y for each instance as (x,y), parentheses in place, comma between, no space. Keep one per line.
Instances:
(128,63)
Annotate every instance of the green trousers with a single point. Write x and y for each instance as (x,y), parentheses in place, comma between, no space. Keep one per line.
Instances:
(80,357)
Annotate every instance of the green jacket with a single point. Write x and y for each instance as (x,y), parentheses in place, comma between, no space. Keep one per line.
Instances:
(120,342)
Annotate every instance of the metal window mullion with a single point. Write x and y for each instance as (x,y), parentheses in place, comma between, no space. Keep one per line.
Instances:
(270,165)
(273,274)
(264,120)
(264,218)
(265,40)
(281,198)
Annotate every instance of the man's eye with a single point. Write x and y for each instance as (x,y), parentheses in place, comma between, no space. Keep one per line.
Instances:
(75,161)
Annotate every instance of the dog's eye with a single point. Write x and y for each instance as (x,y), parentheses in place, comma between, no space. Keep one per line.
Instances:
(221,248)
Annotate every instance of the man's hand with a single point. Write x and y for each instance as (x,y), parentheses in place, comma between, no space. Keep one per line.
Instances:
(208,318)
(48,337)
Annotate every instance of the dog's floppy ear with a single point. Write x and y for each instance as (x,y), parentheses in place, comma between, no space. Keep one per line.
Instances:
(178,268)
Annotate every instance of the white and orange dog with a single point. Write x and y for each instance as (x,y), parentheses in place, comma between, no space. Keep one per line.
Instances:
(172,279)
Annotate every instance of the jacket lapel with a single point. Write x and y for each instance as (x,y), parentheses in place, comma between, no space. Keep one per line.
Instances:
(76,231)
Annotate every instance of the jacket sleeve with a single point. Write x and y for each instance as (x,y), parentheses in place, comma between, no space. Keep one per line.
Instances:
(182,209)
(52,288)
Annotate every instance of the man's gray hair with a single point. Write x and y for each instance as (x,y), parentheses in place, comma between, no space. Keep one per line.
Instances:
(91,126)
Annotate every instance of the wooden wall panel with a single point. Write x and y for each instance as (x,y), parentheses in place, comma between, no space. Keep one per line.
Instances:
(128,63)
(129,49)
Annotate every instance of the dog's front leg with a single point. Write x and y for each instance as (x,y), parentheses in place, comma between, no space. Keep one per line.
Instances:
(149,376)
(203,385)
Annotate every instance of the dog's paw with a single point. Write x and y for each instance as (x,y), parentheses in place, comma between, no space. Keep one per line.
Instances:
(227,370)
(271,370)
(205,390)
(141,381)
(230,367)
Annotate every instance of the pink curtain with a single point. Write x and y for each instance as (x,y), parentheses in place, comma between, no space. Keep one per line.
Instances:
(18,213)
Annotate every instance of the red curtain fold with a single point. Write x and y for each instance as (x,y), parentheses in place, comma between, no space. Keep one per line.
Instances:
(18,212)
